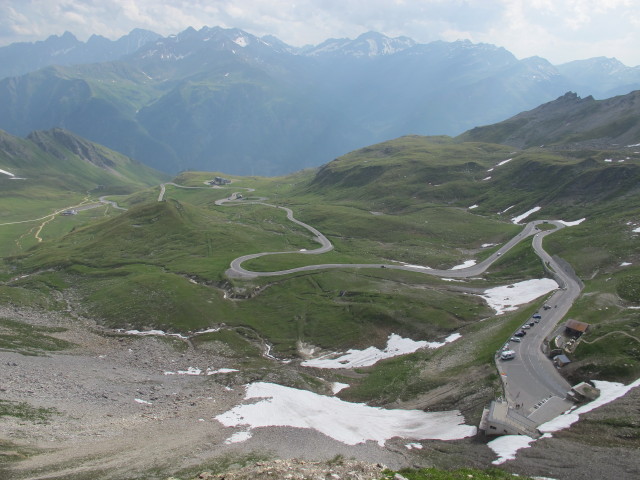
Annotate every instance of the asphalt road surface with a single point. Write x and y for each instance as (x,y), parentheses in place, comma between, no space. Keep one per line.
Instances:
(532,382)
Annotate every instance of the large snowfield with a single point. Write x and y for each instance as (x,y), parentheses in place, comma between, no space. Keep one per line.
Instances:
(349,423)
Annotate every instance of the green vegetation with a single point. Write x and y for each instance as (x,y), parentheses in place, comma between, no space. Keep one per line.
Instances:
(162,264)
(24,411)
(30,339)
(459,474)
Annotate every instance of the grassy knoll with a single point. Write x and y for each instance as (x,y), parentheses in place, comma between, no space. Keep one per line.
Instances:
(29,339)
(611,347)
(600,244)
(175,236)
(435,236)
(517,264)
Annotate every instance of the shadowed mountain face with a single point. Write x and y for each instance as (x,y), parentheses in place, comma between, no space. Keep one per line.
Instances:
(58,160)
(568,120)
(225,100)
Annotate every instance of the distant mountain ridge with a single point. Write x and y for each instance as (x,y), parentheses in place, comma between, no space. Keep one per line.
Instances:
(21,58)
(370,44)
(226,100)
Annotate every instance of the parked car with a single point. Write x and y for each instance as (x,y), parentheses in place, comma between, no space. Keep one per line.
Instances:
(508,355)
(516,339)
(531,324)
(520,333)
(537,315)
(526,325)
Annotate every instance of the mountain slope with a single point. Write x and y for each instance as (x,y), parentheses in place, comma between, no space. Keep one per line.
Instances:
(61,158)
(225,100)
(602,77)
(568,119)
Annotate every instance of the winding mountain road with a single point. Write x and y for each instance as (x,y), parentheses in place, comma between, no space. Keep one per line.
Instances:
(533,387)
(237,271)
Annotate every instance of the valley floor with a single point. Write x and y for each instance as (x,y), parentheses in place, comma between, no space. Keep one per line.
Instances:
(117,415)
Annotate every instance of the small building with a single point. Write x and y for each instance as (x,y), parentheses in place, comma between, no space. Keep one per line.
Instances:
(220,181)
(584,392)
(561,360)
(500,419)
(575,328)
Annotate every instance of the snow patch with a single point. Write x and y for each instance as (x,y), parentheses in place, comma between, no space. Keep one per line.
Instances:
(507,446)
(7,173)
(396,346)
(571,224)
(473,206)
(609,391)
(636,230)
(337,387)
(198,371)
(349,423)
(625,264)
(507,298)
(486,178)
(190,371)
(410,446)
(221,370)
(241,41)
(506,210)
(468,263)
(238,437)
(142,402)
(152,333)
(519,218)
(503,162)
(415,266)
(487,245)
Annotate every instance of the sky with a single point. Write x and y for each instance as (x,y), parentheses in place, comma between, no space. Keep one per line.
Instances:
(558,30)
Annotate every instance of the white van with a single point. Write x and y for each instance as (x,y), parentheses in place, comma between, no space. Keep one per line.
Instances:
(508,355)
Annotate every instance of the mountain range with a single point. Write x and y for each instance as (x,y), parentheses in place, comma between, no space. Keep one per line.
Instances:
(226,100)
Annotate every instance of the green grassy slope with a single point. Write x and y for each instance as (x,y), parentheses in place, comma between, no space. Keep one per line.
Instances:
(56,170)
(568,119)
(162,264)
